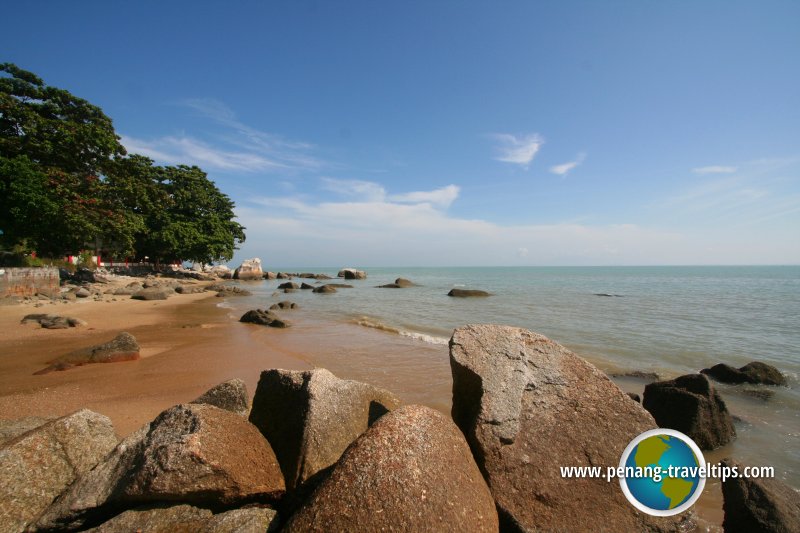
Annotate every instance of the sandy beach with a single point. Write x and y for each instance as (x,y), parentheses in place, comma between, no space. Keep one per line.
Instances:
(188,345)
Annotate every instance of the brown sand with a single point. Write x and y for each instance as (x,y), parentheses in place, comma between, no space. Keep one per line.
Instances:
(188,345)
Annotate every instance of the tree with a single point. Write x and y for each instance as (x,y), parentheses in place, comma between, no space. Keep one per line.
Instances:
(195,221)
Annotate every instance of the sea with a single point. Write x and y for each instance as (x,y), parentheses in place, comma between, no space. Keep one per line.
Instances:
(628,321)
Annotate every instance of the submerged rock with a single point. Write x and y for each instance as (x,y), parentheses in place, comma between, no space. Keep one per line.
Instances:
(263,318)
(399,283)
(230,395)
(325,289)
(467,293)
(310,417)
(691,405)
(122,348)
(753,504)
(289,285)
(756,373)
(411,471)
(527,406)
(37,466)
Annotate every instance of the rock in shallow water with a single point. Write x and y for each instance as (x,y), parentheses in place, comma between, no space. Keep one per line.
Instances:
(527,406)
(310,417)
(263,318)
(411,471)
(759,505)
(467,293)
(756,373)
(691,405)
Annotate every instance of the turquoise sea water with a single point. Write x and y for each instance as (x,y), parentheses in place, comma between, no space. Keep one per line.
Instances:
(668,320)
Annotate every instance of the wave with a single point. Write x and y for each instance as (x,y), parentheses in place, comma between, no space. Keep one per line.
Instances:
(368,322)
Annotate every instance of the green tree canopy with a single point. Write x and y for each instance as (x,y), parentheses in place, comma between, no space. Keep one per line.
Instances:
(65,182)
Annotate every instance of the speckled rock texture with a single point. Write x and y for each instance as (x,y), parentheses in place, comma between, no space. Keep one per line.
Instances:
(230,395)
(37,466)
(757,373)
(248,520)
(123,347)
(527,406)
(191,453)
(11,429)
(175,519)
(411,471)
(310,417)
(691,405)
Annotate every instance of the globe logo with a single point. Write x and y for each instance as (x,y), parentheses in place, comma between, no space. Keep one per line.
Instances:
(662,472)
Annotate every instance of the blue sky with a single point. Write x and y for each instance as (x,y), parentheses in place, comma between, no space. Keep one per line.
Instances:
(456,133)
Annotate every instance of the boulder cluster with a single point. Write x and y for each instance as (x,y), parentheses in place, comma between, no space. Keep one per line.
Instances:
(320,453)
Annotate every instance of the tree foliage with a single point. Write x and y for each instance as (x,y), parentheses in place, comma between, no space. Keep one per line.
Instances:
(65,182)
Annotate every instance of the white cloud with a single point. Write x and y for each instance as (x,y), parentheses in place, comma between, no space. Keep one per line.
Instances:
(366,191)
(235,147)
(441,197)
(715,169)
(189,151)
(565,168)
(518,150)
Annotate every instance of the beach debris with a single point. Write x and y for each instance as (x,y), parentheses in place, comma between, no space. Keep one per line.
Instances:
(517,397)
(249,269)
(413,458)
(40,464)
(153,293)
(122,348)
(399,283)
(467,293)
(756,373)
(53,321)
(691,405)
(230,395)
(759,504)
(310,417)
(351,273)
(283,305)
(325,289)
(263,318)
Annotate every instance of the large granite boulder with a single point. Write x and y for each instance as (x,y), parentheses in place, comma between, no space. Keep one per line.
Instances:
(754,505)
(153,293)
(37,466)
(351,273)
(310,417)
(263,318)
(467,293)
(230,395)
(527,406)
(249,269)
(411,471)
(691,405)
(191,453)
(755,373)
(122,348)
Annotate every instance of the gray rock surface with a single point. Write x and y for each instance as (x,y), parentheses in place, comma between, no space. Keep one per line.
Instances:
(230,395)
(467,293)
(11,429)
(122,348)
(191,453)
(310,417)
(411,471)
(527,405)
(250,269)
(691,405)
(37,466)
(757,373)
(754,505)
(153,293)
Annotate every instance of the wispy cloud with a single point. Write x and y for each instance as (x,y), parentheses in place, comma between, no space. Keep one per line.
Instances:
(715,169)
(566,168)
(227,144)
(368,191)
(519,150)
